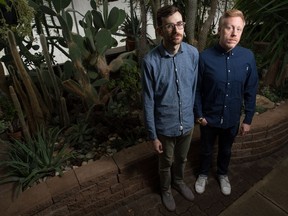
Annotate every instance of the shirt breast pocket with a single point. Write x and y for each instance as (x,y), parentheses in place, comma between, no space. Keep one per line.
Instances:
(241,73)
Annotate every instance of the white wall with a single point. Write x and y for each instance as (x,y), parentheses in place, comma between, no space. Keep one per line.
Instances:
(83,6)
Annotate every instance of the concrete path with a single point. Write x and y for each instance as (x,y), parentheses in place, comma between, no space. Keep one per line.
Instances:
(259,188)
(269,197)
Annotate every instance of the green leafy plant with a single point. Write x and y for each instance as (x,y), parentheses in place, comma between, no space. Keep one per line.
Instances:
(79,133)
(127,87)
(116,110)
(3,126)
(270,93)
(128,138)
(17,16)
(260,109)
(131,26)
(264,28)
(7,110)
(28,162)
(8,116)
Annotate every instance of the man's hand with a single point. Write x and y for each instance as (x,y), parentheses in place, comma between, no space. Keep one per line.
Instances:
(244,129)
(202,121)
(157,146)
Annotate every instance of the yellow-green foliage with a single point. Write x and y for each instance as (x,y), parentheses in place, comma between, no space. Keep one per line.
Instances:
(25,15)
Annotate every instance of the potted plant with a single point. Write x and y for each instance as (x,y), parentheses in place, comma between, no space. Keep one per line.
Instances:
(132,30)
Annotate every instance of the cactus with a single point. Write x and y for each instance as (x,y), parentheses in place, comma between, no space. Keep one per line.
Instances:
(64,113)
(17,106)
(60,100)
(46,95)
(88,51)
(49,65)
(98,29)
(32,101)
(3,84)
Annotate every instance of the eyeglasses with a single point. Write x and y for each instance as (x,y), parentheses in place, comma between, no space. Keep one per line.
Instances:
(171,26)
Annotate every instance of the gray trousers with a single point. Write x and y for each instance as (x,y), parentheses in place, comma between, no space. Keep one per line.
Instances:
(172,161)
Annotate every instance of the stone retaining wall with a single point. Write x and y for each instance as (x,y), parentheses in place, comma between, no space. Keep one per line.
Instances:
(104,185)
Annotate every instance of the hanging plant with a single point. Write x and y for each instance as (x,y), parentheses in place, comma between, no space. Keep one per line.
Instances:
(17,16)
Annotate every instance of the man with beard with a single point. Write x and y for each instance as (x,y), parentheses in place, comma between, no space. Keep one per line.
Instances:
(169,84)
(227,80)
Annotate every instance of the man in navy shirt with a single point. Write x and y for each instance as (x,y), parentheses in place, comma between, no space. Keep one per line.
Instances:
(169,85)
(227,84)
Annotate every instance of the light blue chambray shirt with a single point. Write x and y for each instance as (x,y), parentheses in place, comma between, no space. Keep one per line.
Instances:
(169,85)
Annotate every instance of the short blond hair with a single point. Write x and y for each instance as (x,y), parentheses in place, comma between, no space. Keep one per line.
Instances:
(231,13)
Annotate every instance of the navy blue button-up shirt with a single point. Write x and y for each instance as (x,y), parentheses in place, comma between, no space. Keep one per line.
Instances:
(225,81)
(169,86)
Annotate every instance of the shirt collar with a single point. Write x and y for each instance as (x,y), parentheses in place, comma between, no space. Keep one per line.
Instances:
(165,53)
(223,51)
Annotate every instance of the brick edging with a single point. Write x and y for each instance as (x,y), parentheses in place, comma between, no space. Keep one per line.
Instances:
(107,184)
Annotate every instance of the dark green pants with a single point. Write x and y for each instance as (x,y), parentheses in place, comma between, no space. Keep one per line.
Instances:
(172,161)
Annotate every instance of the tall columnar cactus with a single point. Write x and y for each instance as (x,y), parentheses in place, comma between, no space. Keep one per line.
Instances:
(29,89)
(20,114)
(3,83)
(63,113)
(46,95)
(49,65)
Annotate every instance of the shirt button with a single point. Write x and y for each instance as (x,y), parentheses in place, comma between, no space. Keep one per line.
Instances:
(228,83)
(226,95)
(228,58)
(228,71)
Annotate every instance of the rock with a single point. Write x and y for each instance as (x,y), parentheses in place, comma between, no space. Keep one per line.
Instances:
(84,163)
(90,161)
(80,156)
(90,155)
(67,168)
(112,138)
(264,102)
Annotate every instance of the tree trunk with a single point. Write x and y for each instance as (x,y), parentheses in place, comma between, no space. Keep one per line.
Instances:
(206,26)
(155,5)
(191,14)
(270,78)
(143,45)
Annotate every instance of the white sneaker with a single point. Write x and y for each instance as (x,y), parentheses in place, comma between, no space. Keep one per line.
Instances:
(200,184)
(224,184)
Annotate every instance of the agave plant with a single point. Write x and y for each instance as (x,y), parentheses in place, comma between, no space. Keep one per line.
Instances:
(264,23)
(28,162)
